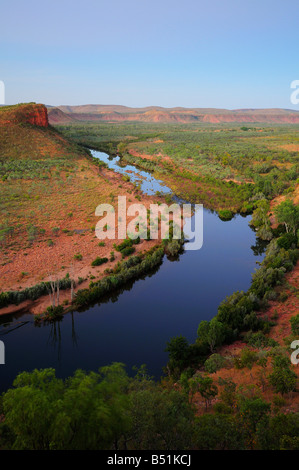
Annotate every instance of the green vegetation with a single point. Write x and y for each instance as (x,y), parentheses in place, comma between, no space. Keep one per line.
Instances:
(225,214)
(32,293)
(219,165)
(287,213)
(238,313)
(295,324)
(260,220)
(109,410)
(126,247)
(124,272)
(214,362)
(53,313)
(229,170)
(283,379)
(99,261)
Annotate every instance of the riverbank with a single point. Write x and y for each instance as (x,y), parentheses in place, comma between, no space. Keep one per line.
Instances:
(73,246)
(215,194)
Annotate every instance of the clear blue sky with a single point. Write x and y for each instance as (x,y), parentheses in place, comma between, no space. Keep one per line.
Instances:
(193,53)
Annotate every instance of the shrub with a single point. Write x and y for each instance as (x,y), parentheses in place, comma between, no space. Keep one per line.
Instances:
(247,359)
(127,251)
(287,241)
(127,243)
(99,261)
(53,313)
(4,299)
(295,324)
(123,272)
(283,379)
(225,214)
(214,363)
(32,233)
(259,340)
(173,248)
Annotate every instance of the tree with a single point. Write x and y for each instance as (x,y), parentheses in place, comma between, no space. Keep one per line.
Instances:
(214,363)
(260,215)
(253,412)
(287,213)
(283,379)
(262,372)
(178,350)
(261,221)
(30,409)
(217,432)
(161,419)
(205,387)
(87,411)
(295,324)
(281,433)
(212,332)
(228,393)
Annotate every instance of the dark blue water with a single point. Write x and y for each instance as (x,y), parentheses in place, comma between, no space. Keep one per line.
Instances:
(134,325)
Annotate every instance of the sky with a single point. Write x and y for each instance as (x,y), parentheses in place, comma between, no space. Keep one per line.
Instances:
(192,53)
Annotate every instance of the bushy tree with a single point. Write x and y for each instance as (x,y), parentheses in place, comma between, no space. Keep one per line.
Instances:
(217,432)
(214,363)
(253,412)
(295,324)
(212,332)
(282,378)
(287,213)
(203,384)
(178,351)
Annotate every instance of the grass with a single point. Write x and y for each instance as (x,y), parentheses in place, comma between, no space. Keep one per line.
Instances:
(45,195)
(220,165)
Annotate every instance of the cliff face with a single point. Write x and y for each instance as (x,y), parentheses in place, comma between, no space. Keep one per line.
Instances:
(35,114)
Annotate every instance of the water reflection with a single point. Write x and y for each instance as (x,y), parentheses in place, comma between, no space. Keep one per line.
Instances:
(133,325)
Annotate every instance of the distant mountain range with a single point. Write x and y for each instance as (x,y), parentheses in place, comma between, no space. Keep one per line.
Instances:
(117,113)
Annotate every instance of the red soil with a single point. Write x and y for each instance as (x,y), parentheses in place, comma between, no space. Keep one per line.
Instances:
(42,261)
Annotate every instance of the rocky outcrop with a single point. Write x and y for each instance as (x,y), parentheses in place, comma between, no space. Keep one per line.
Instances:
(31,113)
(35,114)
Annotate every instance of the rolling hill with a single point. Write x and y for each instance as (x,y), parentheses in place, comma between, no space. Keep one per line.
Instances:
(115,113)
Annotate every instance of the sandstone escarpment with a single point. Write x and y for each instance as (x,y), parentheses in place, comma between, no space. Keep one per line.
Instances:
(98,113)
(31,113)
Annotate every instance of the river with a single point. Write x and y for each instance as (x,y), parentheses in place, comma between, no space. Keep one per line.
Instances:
(133,325)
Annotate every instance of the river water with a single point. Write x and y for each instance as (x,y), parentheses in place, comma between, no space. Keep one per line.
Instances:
(134,324)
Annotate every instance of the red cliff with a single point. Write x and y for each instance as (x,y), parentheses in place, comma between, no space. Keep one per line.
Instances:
(31,113)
